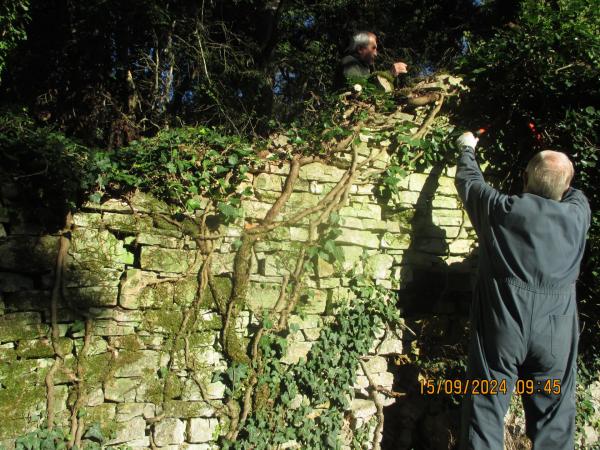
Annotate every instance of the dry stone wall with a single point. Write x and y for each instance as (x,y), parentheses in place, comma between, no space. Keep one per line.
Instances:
(134,272)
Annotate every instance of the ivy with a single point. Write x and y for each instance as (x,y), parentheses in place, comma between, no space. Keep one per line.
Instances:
(307,400)
(58,439)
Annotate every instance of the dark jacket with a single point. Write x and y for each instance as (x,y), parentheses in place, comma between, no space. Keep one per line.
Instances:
(350,66)
(537,240)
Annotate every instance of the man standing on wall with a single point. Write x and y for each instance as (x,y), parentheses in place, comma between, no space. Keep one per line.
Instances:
(524,321)
(360,57)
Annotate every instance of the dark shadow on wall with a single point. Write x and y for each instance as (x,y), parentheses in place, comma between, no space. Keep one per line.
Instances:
(434,302)
(28,273)
(28,267)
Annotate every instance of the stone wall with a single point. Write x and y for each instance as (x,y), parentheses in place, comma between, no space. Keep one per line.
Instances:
(134,272)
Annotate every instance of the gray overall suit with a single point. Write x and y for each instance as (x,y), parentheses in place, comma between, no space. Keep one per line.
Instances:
(524,321)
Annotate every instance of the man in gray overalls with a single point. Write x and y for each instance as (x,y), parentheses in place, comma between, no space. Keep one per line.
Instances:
(524,321)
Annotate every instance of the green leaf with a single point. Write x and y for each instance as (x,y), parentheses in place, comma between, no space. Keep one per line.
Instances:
(94,432)
(77,326)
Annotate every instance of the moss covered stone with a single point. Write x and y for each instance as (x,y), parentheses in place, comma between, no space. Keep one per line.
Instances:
(85,297)
(22,325)
(28,254)
(93,249)
(121,389)
(141,289)
(42,348)
(12,428)
(188,409)
(165,320)
(111,328)
(23,390)
(105,416)
(168,260)
(131,363)
(396,241)
(313,301)
(262,296)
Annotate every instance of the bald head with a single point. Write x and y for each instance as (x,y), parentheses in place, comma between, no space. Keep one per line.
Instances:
(549,174)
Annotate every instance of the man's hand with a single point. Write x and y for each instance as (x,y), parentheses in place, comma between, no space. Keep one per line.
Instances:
(398,68)
(467,139)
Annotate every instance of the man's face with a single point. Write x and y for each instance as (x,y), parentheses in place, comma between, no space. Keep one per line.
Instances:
(369,52)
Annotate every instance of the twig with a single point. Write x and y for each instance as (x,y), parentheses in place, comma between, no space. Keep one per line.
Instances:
(377,435)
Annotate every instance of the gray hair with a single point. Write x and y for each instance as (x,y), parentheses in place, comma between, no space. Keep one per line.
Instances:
(359,39)
(549,174)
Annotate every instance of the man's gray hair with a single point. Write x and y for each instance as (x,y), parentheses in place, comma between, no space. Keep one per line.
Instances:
(359,39)
(549,174)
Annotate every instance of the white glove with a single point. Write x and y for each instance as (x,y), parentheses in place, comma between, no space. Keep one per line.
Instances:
(467,139)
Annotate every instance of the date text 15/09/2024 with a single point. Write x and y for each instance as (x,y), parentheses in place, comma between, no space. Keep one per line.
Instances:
(488,387)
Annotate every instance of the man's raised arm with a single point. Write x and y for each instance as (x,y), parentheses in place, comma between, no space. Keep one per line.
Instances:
(577,198)
(478,197)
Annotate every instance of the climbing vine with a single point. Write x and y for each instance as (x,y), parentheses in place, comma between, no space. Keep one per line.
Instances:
(305,403)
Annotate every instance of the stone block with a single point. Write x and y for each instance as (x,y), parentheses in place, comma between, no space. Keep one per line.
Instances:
(254,209)
(321,172)
(351,222)
(221,263)
(22,325)
(375,364)
(188,409)
(444,202)
(326,283)
(104,414)
(29,254)
(384,225)
(120,389)
(396,241)
(357,237)
(390,346)
(295,351)
(448,217)
(361,210)
(299,201)
(324,268)
(203,430)
(129,410)
(92,249)
(85,297)
(352,256)
(42,348)
(147,361)
(95,397)
(159,240)
(446,186)
(407,198)
(416,181)
(362,408)
(311,334)
(169,260)
(262,296)
(112,328)
(298,234)
(104,276)
(461,246)
(378,266)
(313,301)
(141,289)
(169,431)
(433,246)
(269,182)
